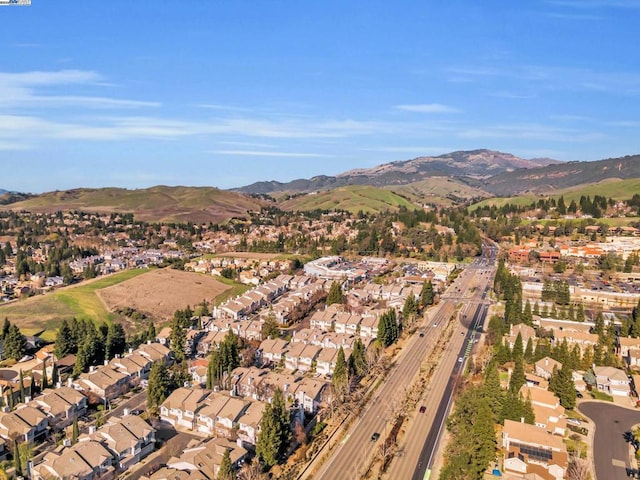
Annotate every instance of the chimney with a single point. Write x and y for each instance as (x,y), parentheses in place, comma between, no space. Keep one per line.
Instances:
(106,362)
(126,412)
(58,384)
(92,429)
(66,442)
(130,350)
(92,368)
(521,419)
(69,382)
(27,399)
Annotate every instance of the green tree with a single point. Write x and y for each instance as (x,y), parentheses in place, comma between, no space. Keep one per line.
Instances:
(54,375)
(340,378)
(15,343)
(517,376)
(388,330)
(275,431)
(518,348)
(580,315)
(410,308)
(158,386)
(178,338)
(492,390)
(5,328)
(226,471)
(116,341)
(335,294)
(75,431)
(359,358)
(527,315)
(22,394)
(427,295)
(44,383)
(561,383)
(17,462)
(270,328)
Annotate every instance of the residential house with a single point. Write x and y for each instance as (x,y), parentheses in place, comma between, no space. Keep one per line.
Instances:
(86,460)
(25,424)
(62,406)
(549,414)
(156,352)
(525,331)
(612,381)
(308,393)
(272,350)
(136,366)
(105,382)
(545,367)
(206,458)
(182,406)
(531,449)
(249,423)
(130,438)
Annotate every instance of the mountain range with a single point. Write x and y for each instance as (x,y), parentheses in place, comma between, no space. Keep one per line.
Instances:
(468,166)
(453,178)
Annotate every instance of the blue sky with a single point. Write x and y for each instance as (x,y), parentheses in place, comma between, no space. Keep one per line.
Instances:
(225,93)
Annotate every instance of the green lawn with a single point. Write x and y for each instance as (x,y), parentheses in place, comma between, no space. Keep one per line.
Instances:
(45,312)
(598,395)
(235,290)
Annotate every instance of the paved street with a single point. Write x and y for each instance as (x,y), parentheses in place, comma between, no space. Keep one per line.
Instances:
(420,442)
(611,451)
(357,449)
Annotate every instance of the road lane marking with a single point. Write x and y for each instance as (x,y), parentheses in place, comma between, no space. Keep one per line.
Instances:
(344,440)
(618,463)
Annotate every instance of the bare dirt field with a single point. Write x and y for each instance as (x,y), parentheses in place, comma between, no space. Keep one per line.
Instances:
(161,292)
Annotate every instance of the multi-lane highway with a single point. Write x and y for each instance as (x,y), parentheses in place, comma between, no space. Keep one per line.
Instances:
(420,443)
(356,448)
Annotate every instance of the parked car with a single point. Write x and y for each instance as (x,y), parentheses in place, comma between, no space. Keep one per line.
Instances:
(375,437)
(423,409)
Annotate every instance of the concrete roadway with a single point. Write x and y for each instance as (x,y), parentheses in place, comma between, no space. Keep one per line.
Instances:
(610,450)
(356,449)
(420,442)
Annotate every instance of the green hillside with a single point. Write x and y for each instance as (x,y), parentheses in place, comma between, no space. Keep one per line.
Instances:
(352,198)
(439,190)
(611,188)
(161,203)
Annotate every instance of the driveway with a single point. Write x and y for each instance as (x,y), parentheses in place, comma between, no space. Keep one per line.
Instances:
(610,450)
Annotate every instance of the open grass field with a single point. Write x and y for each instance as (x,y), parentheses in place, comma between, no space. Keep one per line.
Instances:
(160,293)
(157,293)
(45,312)
(438,190)
(351,198)
(611,188)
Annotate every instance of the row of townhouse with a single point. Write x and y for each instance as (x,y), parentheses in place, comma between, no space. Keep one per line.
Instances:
(261,384)
(300,356)
(53,409)
(213,414)
(600,298)
(253,300)
(201,461)
(332,318)
(102,454)
(121,374)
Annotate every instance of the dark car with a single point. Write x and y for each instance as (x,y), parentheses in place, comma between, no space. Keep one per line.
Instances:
(423,409)
(421,334)
(375,437)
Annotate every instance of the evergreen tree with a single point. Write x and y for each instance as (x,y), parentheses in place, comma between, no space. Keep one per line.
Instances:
(275,431)
(598,328)
(517,376)
(116,341)
(215,369)
(22,395)
(561,383)
(5,328)
(340,378)
(427,295)
(15,343)
(226,471)
(359,358)
(54,375)
(528,351)
(536,309)
(410,308)
(518,350)
(492,390)
(158,386)
(17,462)
(580,315)
(527,315)
(44,384)
(151,332)
(335,294)
(388,331)
(178,338)
(75,432)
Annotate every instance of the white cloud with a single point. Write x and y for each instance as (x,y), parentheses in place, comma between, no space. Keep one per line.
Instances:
(427,108)
(530,132)
(23,90)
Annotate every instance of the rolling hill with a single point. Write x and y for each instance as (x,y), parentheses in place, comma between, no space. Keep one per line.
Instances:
(474,165)
(161,203)
(440,191)
(352,198)
(556,177)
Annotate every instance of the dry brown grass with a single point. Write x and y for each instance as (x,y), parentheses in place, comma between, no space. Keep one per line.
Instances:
(160,293)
